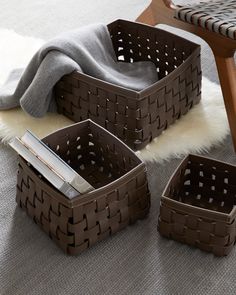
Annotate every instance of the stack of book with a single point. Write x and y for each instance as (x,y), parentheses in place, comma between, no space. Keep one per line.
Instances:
(50,165)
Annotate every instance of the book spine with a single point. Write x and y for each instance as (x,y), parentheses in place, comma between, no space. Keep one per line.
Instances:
(69,191)
(69,175)
(24,152)
(33,152)
(81,185)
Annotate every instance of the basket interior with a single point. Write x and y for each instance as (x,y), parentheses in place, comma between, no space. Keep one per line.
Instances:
(205,183)
(95,154)
(136,42)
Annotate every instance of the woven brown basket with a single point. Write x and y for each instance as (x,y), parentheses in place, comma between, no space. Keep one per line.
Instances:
(121,195)
(137,117)
(198,205)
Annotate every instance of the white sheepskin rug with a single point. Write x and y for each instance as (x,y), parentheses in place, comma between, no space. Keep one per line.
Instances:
(204,126)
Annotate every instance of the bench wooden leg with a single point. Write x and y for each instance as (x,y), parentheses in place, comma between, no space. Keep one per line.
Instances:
(147,17)
(157,13)
(227,74)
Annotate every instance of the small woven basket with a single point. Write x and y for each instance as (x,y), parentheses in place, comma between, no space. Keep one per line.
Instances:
(137,117)
(121,194)
(198,205)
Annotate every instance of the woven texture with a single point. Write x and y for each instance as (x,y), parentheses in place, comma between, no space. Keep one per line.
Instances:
(121,197)
(126,263)
(216,16)
(137,117)
(208,186)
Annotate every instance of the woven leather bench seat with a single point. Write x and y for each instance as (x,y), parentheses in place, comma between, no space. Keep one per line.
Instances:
(216,16)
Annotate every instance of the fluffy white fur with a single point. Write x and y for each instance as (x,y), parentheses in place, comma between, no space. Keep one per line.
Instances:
(204,126)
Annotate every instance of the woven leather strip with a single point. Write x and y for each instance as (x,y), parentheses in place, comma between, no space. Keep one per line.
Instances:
(137,117)
(198,205)
(102,159)
(216,16)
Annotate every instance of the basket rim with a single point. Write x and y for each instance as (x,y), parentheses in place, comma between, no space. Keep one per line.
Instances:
(139,95)
(91,122)
(194,210)
(140,24)
(199,212)
(84,198)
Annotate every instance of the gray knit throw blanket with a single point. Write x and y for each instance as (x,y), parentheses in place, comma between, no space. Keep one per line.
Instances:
(88,50)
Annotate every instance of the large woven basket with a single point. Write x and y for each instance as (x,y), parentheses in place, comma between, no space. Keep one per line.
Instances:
(120,198)
(137,117)
(198,205)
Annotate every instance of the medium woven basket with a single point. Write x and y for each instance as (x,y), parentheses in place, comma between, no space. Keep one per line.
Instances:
(137,117)
(120,198)
(198,205)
